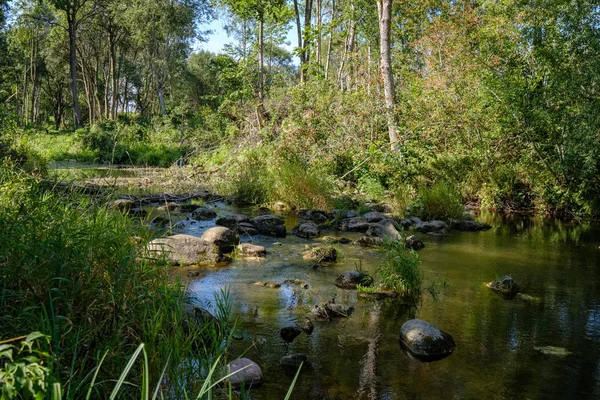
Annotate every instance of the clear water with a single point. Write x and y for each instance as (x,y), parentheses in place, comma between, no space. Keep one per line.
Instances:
(360,357)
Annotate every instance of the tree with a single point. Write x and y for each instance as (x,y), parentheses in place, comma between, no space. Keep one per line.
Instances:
(72,12)
(258,10)
(384,8)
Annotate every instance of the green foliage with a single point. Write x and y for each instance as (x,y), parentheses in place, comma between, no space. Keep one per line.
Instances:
(73,269)
(371,187)
(442,200)
(300,186)
(24,368)
(400,270)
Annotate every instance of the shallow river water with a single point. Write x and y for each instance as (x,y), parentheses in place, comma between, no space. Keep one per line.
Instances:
(503,346)
(502,349)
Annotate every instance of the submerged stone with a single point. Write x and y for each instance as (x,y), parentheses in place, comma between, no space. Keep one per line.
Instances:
(293,360)
(321,254)
(369,241)
(425,341)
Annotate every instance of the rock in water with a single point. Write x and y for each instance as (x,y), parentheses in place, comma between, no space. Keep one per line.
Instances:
(224,238)
(186,250)
(385,229)
(374,216)
(413,242)
(233,220)
(307,230)
(270,225)
(245,373)
(425,341)
(293,360)
(369,241)
(467,225)
(202,213)
(438,227)
(349,280)
(314,215)
(505,286)
(289,333)
(308,327)
(251,250)
(321,254)
(356,224)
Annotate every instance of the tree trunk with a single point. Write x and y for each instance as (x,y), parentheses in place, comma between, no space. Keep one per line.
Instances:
(319,38)
(260,59)
(73,69)
(384,8)
(307,24)
(299,31)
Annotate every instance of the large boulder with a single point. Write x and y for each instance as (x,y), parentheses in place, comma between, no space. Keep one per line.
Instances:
(357,224)
(224,238)
(505,286)
(471,226)
(385,229)
(349,280)
(245,373)
(307,230)
(314,215)
(438,227)
(203,213)
(270,225)
(232,220)
(425,341)
(186,250)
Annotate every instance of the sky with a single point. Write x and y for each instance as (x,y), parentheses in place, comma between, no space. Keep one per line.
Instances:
(218,38)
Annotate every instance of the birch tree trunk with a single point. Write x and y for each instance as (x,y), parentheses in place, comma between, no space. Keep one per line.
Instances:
(384,8)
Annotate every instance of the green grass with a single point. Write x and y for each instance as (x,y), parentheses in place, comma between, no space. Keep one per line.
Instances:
(72,269)
(400,270)
(442,200)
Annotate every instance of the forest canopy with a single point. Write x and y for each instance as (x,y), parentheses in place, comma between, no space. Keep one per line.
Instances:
(498,97)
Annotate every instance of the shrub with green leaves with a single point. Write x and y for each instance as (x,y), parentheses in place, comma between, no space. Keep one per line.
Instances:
(442,200)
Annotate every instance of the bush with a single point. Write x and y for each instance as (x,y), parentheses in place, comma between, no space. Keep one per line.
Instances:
(442,200)
(300,187)
(400,270)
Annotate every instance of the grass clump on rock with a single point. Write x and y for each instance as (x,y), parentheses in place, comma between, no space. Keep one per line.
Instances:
(400,270)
